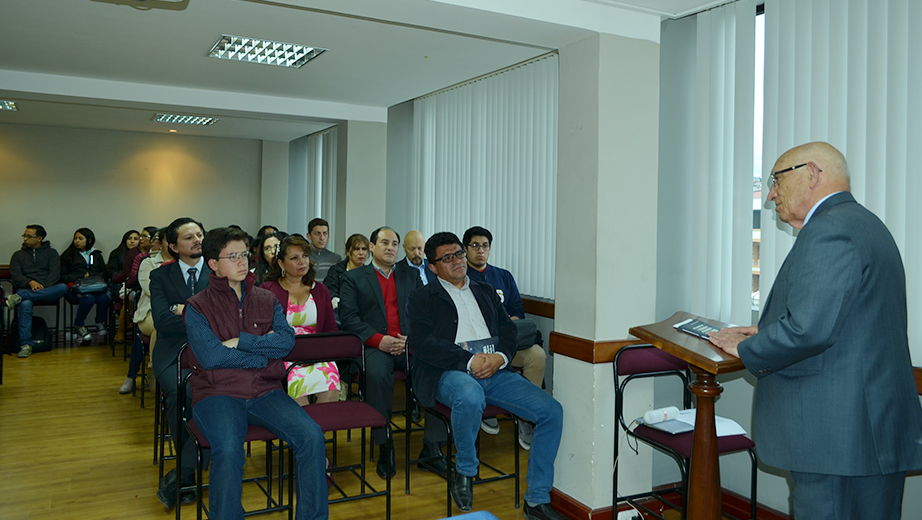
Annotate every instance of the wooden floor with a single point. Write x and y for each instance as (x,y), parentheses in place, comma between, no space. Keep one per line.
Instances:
(73,448)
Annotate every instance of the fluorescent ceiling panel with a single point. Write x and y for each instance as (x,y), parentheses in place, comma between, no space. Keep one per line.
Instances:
(268,52)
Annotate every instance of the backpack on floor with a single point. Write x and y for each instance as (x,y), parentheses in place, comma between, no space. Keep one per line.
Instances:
(41,336)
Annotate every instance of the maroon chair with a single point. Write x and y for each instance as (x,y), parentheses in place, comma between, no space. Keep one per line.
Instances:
(343,347)
(443,413)
(254,433)
(646,361)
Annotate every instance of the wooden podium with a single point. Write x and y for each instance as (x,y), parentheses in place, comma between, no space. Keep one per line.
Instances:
(706,361)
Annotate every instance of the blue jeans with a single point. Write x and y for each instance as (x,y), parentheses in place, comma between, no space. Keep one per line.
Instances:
(223,421)
(29,297)
(468,396)
(86,302)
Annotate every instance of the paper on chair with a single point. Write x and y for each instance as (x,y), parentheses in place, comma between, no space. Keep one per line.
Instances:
(686,423)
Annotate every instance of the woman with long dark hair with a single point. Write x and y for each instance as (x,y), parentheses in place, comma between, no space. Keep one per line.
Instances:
(130,240)
(266,250)
(309,311)
(84,271)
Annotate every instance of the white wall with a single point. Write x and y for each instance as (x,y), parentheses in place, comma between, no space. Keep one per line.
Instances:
(112,181)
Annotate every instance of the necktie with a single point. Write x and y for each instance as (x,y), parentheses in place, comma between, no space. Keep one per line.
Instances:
(191,283)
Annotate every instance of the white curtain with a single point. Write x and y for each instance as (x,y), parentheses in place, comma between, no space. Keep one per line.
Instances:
(485,154)
(706,167)
(312,180)
(850,72)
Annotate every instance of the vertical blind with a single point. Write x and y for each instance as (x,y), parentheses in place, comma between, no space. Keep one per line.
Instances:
(312,180)
(714,160)
(850,72)
(485,154)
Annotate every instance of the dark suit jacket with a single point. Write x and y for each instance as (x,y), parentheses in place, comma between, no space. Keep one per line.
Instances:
(404,265)
(836,394)
(168,287)
(433,327)
(361,303)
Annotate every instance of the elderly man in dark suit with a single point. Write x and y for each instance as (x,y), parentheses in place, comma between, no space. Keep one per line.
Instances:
(171,285)
(836,403)
(373,301)
(446,318)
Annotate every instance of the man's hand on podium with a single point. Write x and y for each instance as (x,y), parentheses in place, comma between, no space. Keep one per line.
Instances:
(728,339)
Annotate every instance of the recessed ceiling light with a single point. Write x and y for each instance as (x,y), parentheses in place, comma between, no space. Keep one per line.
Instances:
(7,105)
(254,50)
(185,119)
(173,130)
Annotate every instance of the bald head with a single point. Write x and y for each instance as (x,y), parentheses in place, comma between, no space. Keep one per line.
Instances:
(803,176)
(414,244)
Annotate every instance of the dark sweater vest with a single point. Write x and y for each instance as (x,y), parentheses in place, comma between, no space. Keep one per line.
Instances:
(218,303)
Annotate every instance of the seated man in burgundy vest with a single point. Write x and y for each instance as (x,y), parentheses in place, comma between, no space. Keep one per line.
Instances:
(239,334)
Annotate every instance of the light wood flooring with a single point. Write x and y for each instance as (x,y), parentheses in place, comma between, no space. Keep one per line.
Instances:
(71,447)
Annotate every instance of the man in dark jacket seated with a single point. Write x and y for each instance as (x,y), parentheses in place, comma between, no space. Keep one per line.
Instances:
(463,342)
(239,334)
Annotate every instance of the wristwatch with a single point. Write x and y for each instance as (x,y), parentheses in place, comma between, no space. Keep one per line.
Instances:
(174,307)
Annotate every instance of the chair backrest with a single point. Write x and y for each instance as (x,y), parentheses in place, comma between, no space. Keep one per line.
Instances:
(326,346)
(646,361)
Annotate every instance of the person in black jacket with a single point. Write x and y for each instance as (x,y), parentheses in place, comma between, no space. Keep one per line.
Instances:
(463,342)
(79,263)
(36,272)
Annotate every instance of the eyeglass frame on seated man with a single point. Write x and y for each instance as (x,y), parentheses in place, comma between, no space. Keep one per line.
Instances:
(451,257)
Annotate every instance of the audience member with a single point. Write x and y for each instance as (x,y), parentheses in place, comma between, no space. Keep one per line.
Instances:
(171,285)
(356,253)
(530,357)
(83,269)
(130,240)
(266,252)
(239,334)
(125,278)
(36,273)
(444,317)
(413,245)
(308,310)
(160,254)
(373,301)
(319,232)
(142,247)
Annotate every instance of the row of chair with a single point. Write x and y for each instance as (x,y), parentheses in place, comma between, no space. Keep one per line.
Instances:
(342,348)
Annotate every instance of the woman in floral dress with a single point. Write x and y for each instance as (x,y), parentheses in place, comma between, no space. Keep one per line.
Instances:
(309,311)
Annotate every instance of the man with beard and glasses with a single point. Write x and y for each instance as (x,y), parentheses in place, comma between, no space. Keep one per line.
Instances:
(171,285)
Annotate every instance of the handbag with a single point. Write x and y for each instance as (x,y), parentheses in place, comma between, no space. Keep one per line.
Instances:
(90,285)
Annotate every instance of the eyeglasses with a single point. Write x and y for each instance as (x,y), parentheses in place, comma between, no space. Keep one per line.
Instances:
(451,257)
(483,247)
(30,237)
(775,175)
(236,257)
(271,248)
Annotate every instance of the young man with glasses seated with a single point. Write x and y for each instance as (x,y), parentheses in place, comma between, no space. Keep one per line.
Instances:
(36,272)
(448,318)
(530,357)
(239,335)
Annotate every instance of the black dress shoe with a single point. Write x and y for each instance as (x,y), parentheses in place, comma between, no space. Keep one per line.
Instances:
(462,492)
(382,462)
(542,512)
(436,466)
(167,491)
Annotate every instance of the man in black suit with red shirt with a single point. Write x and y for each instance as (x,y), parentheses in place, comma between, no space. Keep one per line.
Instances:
(372,304)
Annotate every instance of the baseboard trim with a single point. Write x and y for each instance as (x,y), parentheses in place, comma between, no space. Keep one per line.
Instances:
(732,503)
